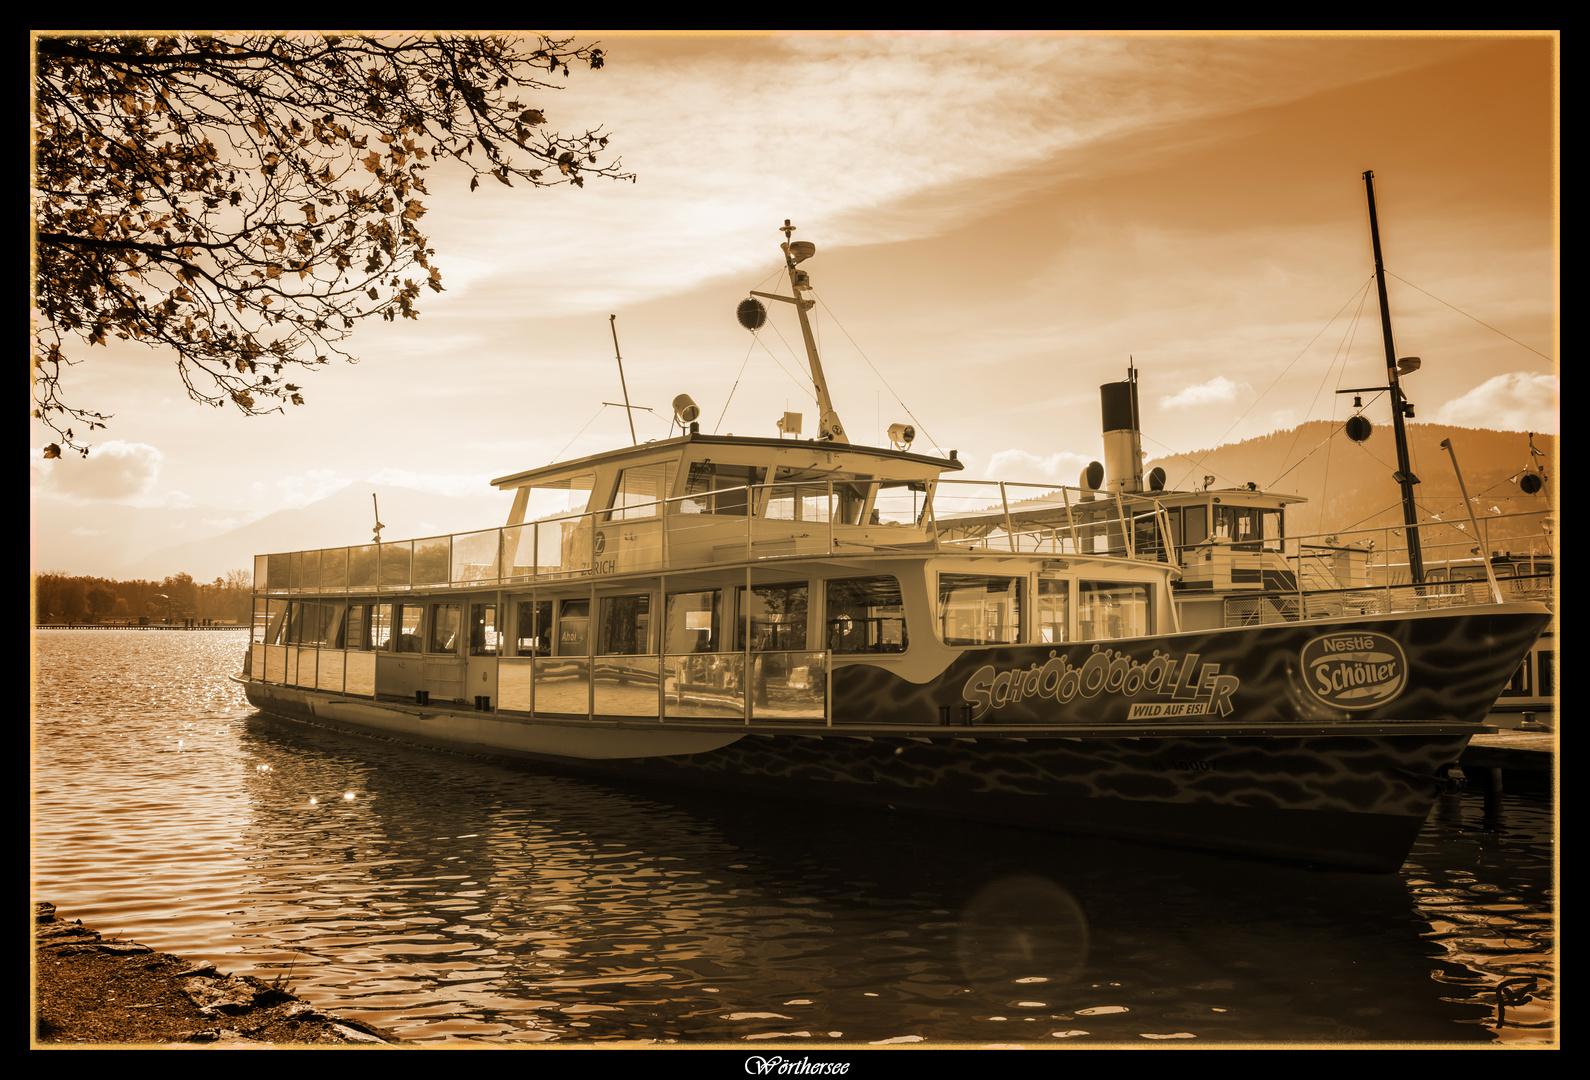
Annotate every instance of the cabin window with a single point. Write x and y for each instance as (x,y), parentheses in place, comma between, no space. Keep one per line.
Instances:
(979,609)
(559,498)
(316,622)
(357,635)
(1251,525)
(778,618)
(901,504)
(1195,525)
(484,638)
(866,615)
(574,628)
(1548,676)
(446,622)
(1111,609)
(533,629)
(640,491)
(719,489)
(625,625)
(381,626)
(691,622)
(276,622)
(406,620)
(797,502)
(1053,610)
(262,623)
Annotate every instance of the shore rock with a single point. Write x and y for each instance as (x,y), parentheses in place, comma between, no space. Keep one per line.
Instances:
(91,991)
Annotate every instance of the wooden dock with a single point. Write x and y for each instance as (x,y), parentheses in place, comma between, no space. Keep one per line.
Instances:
(1523,751)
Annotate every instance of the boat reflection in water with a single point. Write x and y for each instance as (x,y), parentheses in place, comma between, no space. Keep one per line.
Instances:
(446,897)
(826,620)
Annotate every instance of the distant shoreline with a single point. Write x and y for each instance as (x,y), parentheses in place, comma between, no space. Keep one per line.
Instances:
(135,626)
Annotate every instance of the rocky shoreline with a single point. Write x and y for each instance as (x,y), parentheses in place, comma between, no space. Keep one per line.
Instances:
(91,991)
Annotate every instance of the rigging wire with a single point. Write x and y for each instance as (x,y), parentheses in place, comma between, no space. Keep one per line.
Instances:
(749,349)
(1343,350)
(875,371)
(1283,372)
(1322,443)
(1466,315)
(1169,453)
(756,339)
(577,434)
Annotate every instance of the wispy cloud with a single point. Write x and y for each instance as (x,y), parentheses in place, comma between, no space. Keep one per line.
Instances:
(1518,401)
(1217,391)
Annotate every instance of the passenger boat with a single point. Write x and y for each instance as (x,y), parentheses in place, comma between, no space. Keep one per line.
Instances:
(814,618)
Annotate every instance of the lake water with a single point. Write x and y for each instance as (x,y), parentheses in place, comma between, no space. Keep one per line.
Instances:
(451,898)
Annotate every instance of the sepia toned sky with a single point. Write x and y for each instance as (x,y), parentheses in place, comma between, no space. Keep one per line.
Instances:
(1001,221)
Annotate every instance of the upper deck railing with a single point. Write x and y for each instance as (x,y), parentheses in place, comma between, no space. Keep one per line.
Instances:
(761,521)
(1365,571)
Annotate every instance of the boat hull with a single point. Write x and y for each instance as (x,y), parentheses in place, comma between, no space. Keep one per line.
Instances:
(1349,801)
(1325,743)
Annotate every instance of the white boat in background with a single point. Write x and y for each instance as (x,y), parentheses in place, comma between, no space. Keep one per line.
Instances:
(813,618)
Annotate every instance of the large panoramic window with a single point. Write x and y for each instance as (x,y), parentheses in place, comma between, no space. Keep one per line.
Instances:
(1111,609)
(692,621)
(574,628)
(866,615)
(979,609)
(533,628)
(1053,610)
(719,489)
(625,625)
(778,618)
(317,622)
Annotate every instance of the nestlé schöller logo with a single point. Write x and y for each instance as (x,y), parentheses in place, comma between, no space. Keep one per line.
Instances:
(1355,670)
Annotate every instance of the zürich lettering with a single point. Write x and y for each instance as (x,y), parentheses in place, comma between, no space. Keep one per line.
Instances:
(1192,690)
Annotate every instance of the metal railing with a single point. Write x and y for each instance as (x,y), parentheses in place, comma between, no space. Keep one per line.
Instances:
(770,521)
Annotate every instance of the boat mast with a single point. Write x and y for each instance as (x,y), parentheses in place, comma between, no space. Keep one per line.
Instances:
(1399,406)
(828,425)
(612,323)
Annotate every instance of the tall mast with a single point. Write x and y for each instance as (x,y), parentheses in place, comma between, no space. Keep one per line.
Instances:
(800,281)
(1399,406)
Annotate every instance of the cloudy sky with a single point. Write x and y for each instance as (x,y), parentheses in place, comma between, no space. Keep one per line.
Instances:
(1001,221)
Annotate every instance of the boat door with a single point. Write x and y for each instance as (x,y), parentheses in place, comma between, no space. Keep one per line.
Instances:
(485,645)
